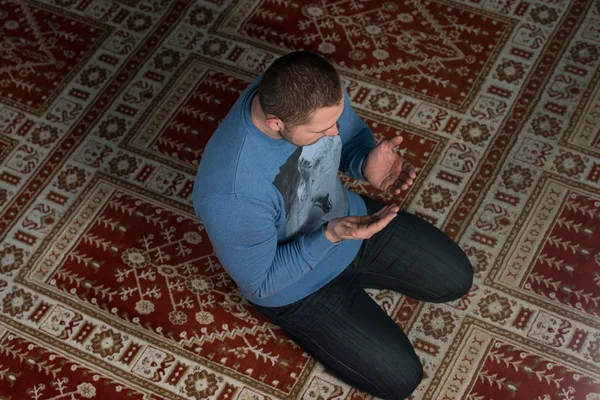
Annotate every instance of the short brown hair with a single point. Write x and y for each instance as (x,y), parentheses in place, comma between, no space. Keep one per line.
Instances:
(297,84)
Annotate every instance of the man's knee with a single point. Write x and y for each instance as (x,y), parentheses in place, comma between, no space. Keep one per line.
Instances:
(461,281)
(402,380)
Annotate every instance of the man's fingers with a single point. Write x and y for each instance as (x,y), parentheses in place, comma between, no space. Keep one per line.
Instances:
(351,226)
(367,219)
(403,182)
(393,190)
(409,169)
(397,187)
(363,227)
(350,229)
(396,141)
(385,209)
(352,220)
(350,232)
(393,142)
(406,178)
(375,226)
(390,208)
(378,225)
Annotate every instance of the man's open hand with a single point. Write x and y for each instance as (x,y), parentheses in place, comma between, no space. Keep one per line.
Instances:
(386,170)
(356,228)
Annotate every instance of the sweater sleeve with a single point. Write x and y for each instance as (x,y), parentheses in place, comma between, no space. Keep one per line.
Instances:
(357,141)
(244,237)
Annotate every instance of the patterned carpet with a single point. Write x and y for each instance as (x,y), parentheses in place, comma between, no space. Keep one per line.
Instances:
(109,288)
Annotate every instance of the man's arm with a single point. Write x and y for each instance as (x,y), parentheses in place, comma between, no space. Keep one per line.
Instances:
(357,141)
(243,234)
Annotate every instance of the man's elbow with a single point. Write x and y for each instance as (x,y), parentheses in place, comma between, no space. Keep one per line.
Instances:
(261,293)
(262,290)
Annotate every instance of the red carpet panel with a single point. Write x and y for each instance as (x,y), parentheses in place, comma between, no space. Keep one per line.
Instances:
(109,287)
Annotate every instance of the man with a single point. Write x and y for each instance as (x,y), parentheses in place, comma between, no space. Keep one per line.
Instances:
(301,247)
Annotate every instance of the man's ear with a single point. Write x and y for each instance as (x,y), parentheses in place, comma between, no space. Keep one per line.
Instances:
(275,123)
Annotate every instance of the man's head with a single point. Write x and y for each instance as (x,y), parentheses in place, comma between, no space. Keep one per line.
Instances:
(301,96)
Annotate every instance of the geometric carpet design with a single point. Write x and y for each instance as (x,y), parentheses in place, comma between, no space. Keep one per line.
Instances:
(109,286)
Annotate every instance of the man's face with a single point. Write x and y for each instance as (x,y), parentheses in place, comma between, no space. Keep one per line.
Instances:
(323,123)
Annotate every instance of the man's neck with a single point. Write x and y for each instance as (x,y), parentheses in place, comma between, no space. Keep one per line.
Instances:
(258,118)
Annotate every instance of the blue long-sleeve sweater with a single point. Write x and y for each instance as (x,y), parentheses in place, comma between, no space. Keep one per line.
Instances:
(264,203)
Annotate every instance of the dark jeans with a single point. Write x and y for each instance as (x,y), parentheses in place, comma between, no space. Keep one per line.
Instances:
(344,329)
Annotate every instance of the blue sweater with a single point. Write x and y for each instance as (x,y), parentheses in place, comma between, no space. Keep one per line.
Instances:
(264,202)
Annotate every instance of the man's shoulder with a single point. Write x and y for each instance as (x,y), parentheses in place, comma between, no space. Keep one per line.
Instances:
(233,165)
(230,136)
(234,161)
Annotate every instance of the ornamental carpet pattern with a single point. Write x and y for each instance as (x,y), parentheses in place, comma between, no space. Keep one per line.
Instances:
(109,287)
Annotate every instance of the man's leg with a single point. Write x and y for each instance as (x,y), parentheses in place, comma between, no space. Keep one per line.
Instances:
(413,257)
(344,329)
